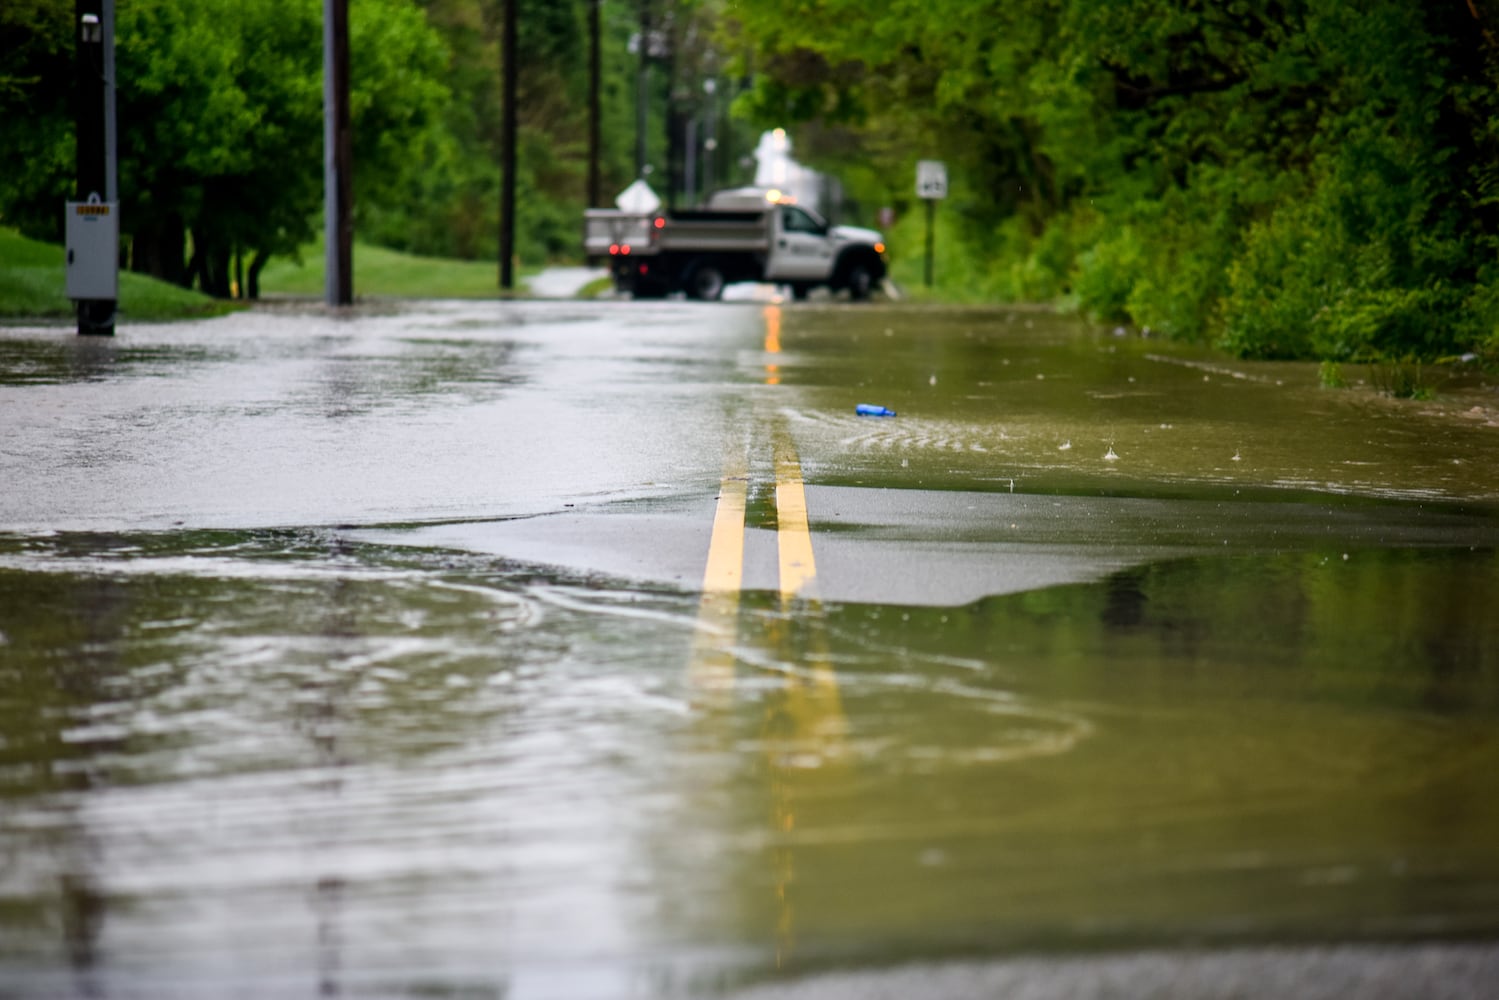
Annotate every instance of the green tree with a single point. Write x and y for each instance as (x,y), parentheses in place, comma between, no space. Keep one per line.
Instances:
(220,122)
(36,147)
(452,207)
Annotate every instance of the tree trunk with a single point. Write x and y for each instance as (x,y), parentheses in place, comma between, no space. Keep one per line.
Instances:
(224,273)
(195,269)
(159,248)
(256,263)
(212,266)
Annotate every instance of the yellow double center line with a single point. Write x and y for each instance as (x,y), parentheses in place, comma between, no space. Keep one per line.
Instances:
(711,668)
(798,567)
(712,664)
(806,723)
(804,729)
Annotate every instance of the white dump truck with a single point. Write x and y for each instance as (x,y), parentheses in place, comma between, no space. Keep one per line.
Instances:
(745,234)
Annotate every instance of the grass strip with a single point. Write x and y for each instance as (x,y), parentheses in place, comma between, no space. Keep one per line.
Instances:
(33,286)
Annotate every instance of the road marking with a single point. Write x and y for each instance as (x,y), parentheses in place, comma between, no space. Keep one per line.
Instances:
(793,533)
(725,571)
(712,666)
(805,729)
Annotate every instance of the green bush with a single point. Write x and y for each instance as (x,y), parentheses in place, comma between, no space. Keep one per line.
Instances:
(1107,274)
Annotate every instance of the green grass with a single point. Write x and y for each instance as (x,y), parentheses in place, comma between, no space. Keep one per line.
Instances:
(383,273)
(596,287)
(32,286)
(32,283)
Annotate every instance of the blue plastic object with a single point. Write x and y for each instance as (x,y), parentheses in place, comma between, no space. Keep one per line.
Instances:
(871,410)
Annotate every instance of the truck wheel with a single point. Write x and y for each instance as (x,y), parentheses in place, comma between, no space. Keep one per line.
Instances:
(706,283)
(860,282)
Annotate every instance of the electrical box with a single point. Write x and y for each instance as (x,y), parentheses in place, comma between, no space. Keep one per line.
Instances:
(93,243)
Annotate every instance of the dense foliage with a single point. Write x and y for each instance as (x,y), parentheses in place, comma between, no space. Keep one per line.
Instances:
(450,206)
(220,110)
(1291,178)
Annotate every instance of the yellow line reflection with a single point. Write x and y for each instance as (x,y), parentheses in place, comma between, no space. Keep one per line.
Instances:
(806,727)
(772,329)
(772,342)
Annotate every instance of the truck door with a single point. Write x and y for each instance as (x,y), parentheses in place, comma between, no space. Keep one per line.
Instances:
(800,249)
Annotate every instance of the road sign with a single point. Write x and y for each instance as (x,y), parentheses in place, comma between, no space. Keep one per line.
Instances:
(931,179)
(638,199)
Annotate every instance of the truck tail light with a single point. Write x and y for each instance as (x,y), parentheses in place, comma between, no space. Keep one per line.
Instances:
(614,249)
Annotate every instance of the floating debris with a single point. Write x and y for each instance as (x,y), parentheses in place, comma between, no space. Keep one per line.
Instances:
(872,410)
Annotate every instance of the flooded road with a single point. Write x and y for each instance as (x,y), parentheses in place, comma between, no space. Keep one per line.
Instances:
(599,651)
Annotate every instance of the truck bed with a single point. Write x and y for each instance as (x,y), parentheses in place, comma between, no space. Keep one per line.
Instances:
(696,231)
(717,232)
(606,227)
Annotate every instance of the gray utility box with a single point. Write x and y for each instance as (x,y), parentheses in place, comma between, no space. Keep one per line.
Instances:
(93,232)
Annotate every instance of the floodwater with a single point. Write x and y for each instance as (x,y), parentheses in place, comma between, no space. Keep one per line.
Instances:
(303,690)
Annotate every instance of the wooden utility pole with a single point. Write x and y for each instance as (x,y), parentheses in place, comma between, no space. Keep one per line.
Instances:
(507,153)
(595,113)
(338,156)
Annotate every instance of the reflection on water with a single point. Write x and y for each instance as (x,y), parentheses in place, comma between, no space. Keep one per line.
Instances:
(282,758)
(1040,400)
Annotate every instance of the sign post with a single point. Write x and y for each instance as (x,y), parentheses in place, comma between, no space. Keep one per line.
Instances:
(931,186)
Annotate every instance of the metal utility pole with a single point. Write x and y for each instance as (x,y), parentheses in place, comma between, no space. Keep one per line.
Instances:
(338,156)
(92,222)
(595,113)
(507,155)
